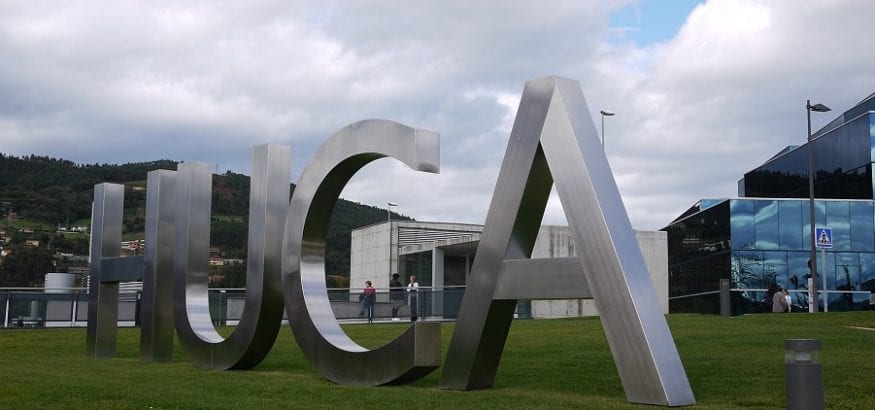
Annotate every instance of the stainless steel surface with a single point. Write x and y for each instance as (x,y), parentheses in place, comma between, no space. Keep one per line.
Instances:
(552,127)
(121,269)
(538,278)
(262,313)
(156,311)
(413,354)
(106,236)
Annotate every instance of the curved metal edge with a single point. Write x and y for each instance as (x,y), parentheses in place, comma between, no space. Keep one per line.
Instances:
(413,354)
(262,313)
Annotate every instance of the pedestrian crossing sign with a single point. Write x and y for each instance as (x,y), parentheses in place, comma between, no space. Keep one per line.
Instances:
(823,237)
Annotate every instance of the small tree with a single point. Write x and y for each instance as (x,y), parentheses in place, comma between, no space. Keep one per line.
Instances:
(26,266)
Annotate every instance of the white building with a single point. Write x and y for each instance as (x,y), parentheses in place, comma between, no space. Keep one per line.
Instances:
(441,256)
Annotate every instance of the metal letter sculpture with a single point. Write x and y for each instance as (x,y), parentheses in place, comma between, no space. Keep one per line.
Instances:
(263,310)
(413,354)
(554,138)
(156,311)
(107,269)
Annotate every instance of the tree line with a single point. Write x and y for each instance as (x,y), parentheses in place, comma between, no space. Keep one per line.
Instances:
(55,192)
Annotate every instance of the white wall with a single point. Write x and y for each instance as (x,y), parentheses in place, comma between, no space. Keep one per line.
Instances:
(556,242)
(369,256)
(370,260)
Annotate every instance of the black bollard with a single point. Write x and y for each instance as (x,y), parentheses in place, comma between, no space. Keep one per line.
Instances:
(804,374)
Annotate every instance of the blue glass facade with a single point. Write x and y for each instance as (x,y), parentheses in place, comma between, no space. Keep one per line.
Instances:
(842,167)
(762,241)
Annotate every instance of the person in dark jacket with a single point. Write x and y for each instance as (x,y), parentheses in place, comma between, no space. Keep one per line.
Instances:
(396,294)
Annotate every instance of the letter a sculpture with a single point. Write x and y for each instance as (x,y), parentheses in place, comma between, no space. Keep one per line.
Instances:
(553,138)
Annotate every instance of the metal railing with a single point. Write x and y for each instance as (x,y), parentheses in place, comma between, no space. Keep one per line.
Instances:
(33,307)
(759,300)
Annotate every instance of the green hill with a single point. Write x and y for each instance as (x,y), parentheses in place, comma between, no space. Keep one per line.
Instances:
(44,193)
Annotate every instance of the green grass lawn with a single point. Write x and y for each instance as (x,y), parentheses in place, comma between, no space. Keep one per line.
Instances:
(37,226)
(76,235)
(132,236)
(228,218)
(730,362)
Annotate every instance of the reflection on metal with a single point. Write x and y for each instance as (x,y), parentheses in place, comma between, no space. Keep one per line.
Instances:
(413,354)
(107,269)
(262,312)
(552,127)
(524,279)
(156,312)
(121,269)
(106,237)
(552,138)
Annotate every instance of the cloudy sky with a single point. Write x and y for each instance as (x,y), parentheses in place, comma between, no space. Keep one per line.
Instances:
(703,91)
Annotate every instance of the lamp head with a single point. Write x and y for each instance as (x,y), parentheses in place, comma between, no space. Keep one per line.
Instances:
(607,113)
(818,108)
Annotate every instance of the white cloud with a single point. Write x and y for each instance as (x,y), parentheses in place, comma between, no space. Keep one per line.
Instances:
(726,94)
(135,81)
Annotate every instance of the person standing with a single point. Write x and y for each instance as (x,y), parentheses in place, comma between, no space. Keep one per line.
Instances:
(788,300)
(779,303)
(412,298)
(369,296)
(872,300)
(396,294)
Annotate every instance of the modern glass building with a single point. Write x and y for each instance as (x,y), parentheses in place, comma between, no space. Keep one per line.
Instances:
(761,240)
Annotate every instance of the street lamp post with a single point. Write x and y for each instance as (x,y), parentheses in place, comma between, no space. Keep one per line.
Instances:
(812,290)
(605,114)
(389,206)
(389,211)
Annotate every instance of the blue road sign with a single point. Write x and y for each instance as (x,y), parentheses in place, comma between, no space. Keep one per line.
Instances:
(823,238)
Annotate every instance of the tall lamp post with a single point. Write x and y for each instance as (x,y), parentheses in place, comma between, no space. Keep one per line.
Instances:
(389,211)
(605,114)
(812,290)
(389,206)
